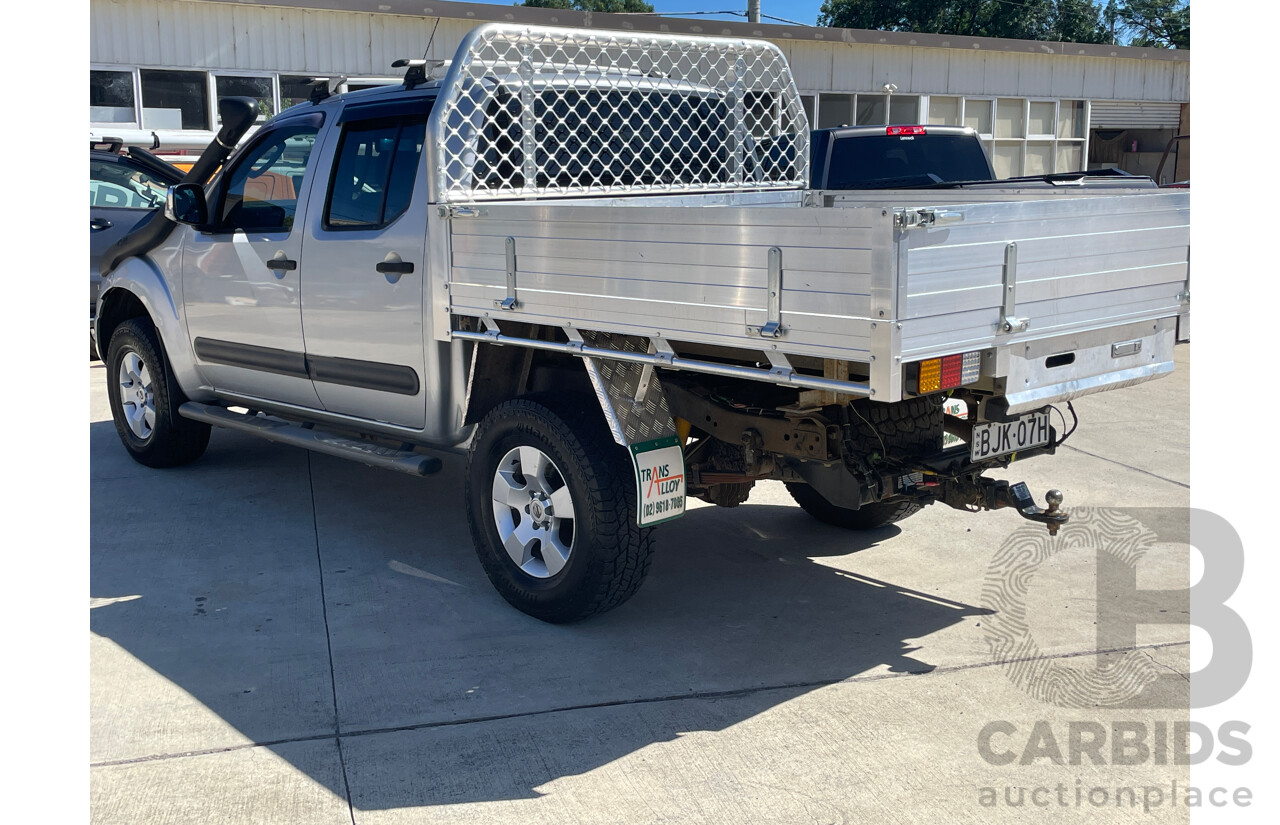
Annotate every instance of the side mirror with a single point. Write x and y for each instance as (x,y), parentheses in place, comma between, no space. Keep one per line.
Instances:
(185,204)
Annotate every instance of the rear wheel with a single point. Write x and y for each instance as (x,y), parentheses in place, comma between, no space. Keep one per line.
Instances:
(144,400)
(551,505)
(866,517)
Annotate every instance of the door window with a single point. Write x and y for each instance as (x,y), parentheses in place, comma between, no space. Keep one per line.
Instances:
(374,173)
(261,190)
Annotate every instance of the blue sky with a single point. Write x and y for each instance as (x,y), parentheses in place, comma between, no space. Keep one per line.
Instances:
(801,11)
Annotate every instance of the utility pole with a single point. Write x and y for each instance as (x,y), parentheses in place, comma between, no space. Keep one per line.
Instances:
(753,11)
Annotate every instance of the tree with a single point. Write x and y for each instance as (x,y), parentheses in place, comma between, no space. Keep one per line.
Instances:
(1078,21)
(1164,24)
(605,6)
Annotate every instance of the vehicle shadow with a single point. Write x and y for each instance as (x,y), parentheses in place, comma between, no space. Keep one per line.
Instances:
(211,577)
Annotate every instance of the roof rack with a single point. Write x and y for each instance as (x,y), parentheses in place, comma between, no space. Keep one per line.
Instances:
(324,87)
(419,70)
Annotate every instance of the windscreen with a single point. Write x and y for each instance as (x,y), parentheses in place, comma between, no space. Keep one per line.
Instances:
(884,161)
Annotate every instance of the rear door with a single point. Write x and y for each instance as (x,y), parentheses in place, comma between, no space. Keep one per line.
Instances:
(365,245)
(242,279)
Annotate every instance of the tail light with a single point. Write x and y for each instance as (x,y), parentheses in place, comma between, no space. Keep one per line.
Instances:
(949,372)
(905,130)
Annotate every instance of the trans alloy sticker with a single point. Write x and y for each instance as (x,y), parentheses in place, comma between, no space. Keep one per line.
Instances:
(660,484)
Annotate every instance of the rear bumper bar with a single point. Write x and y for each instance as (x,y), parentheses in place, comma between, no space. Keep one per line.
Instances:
(1070,366)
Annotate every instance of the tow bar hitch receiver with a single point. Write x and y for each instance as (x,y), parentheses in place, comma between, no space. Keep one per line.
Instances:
(990,494)
(1003,494)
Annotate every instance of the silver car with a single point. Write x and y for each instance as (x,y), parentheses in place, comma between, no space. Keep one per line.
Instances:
(125,185)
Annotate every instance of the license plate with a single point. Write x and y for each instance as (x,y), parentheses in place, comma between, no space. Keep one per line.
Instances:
(1003,437)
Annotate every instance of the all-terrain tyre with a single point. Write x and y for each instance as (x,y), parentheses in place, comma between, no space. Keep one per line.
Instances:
(866,517)
(145,397)
(911,427)
(551,505)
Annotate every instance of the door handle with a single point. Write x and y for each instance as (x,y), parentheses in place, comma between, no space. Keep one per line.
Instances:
(99,224)
(282,264)
(395,267)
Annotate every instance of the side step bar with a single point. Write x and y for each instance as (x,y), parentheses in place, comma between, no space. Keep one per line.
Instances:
(283,432)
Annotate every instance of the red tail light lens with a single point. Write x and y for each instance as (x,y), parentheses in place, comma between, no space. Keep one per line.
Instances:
(949,372)
(905,130)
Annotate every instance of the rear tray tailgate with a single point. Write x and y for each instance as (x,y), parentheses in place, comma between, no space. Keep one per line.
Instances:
(1097,282)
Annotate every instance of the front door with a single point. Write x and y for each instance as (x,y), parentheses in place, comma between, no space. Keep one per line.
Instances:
(242,280)
(365,245)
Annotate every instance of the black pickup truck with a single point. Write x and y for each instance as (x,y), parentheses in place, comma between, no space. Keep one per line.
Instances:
(924,157)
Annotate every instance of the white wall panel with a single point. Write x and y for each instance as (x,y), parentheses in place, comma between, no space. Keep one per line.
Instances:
(891,64)
(965,73)
(1001,74)
(1099,78)
(1035,75)
(1181,90)
(811,64)
(1068,77)
(852,68)
(1128,80)
(140,32)
(929,71)
(1157,80)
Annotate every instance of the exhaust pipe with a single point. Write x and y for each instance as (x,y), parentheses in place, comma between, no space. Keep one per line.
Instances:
(238,114)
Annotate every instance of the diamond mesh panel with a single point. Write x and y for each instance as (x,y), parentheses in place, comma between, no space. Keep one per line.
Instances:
(546,112)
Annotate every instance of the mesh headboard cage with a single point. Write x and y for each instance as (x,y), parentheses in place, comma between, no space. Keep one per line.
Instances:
(528,112)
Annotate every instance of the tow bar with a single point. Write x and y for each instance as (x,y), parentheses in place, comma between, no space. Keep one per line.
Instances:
(1003,494)
(992,494)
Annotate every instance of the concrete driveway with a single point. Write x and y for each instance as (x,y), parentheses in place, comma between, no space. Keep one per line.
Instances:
(285,637)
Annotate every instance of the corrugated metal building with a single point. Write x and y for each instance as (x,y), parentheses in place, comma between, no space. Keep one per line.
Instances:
(159,65)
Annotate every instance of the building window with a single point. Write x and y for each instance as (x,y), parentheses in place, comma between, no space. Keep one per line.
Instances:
(1071,119)
(1006,158)
(1009,118)
(977,116)
(111,97)
(904,109)
(944,111)
(1040,118)
(360,84)
(295,89)
(870,110)
(1022,137)
(260,88)
(174,100)
(834,110)
(809,103)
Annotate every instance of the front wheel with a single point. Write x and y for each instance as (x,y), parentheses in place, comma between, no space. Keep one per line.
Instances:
(551,505)
(144,400)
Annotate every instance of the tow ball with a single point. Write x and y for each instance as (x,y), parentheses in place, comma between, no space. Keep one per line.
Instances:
(1003,494)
